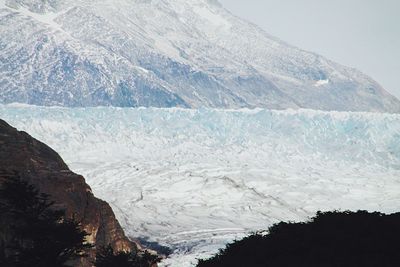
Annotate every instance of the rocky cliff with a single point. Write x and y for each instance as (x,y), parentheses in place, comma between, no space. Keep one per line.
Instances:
(25,157)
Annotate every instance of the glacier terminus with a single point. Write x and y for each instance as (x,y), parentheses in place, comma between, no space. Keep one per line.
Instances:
(194,180)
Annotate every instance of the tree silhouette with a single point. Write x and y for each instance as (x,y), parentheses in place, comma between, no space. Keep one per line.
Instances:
(41,235)
(106,257)
(330,239)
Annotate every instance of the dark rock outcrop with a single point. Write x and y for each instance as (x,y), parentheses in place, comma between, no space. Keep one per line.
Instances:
(25,157)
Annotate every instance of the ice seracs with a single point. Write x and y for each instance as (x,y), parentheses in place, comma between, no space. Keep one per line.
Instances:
(196,179)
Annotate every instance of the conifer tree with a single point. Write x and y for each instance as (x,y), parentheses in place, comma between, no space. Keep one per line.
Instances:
(42,235)
(107,257)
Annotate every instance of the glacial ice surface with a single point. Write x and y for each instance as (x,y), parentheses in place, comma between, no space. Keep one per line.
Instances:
(196,179)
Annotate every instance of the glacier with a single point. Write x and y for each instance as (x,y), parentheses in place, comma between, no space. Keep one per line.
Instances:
(196,179)
(165,53)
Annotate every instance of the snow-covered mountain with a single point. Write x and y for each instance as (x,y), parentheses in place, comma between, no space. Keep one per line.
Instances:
(196,179)
(163,53)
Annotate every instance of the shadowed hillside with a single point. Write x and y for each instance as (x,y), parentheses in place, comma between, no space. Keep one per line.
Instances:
(330,239)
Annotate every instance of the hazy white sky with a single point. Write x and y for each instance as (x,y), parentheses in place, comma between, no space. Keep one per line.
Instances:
(364,34)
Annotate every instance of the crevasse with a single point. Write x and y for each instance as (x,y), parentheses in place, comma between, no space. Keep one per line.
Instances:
(196,179)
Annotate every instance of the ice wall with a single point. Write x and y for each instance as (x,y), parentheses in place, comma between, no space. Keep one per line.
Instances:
(337,136)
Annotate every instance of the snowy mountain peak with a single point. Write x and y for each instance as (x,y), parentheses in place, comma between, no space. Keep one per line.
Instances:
(165,53)
(36,6)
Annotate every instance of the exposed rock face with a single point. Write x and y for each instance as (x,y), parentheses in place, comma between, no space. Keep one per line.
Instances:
(165,53)
(21,155)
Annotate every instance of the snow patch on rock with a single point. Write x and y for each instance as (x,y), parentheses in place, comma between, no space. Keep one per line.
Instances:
(322,82)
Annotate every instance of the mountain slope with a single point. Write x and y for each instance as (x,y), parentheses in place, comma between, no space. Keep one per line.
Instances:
(165,53)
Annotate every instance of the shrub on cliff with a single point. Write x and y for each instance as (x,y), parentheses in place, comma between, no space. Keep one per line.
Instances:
(41,235)
(107,257)
(330,239)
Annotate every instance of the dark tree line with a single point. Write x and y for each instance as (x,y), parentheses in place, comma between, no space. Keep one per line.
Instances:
(107,257)
(38,235)
(331,239)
